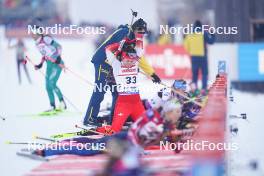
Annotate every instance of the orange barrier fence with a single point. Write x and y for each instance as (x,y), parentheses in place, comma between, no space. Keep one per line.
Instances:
(211,132)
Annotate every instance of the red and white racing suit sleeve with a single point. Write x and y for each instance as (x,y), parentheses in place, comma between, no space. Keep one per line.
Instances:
(109,50)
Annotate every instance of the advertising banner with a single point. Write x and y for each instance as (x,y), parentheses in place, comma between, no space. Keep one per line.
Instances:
(169,61)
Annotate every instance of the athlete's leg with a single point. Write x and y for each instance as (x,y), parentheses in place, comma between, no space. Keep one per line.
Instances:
(138,110)
(195,69)
(122,111)
(96,146)
(57,72)
(49,87)
(111,82)
(204,68)
(27,74)
(79,149)
(18,71)
(120,135)
(101,72)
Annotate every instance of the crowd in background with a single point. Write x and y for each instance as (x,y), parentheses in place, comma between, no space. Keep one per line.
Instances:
(18,14)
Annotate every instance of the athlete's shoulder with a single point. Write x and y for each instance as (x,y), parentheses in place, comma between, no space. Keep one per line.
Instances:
(122,30)
(123,27)
(112,47)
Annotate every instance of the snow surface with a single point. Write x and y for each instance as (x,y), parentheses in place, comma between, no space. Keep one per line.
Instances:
(250,134)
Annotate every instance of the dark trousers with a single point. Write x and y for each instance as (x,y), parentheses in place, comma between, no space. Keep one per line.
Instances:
(94,149)
(101,73)
(197,64)
(20,64)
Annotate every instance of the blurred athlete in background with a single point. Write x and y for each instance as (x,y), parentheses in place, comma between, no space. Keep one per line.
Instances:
(20,56)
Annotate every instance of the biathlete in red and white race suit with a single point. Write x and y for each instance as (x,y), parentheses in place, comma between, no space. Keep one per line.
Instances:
(125,72)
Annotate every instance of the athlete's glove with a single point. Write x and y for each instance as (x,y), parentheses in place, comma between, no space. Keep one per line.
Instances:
(118,52)
(38,66)
(58,60)
(155,78)
(118,55)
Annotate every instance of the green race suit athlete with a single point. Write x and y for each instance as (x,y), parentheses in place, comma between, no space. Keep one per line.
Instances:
(51,52)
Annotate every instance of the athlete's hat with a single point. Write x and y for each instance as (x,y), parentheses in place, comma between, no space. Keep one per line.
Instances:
(140,24)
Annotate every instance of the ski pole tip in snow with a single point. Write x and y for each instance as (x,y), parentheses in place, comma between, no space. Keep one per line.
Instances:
(3,118)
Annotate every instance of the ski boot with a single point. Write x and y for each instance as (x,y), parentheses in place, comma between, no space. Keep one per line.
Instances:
(50,111)
(62,106)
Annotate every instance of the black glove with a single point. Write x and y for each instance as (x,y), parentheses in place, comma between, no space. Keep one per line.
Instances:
(118,55)
(155,78)
(38,66)
(58,60)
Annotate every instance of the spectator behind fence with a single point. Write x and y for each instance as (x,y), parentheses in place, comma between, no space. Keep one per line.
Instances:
(195,45)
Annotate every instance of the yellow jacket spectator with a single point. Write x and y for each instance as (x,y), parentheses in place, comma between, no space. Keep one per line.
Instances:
(195,45)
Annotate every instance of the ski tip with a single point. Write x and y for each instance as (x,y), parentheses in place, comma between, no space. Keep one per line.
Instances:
(7,142)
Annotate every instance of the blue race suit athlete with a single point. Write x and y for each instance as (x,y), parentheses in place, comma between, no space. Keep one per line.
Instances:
(102,69)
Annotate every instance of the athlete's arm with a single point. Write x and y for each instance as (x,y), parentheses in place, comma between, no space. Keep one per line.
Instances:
(144,65)
(110,53)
